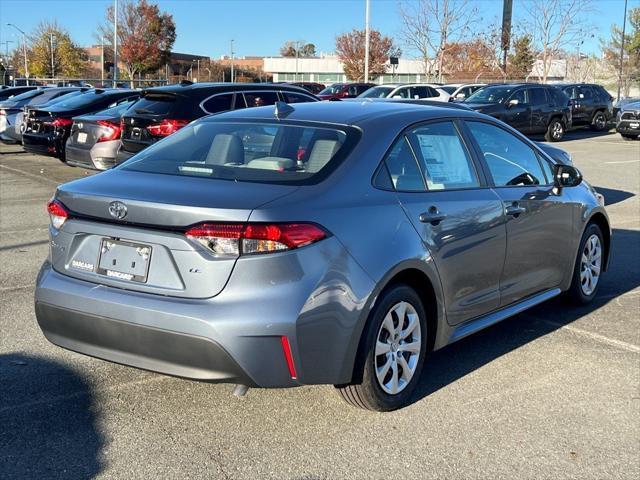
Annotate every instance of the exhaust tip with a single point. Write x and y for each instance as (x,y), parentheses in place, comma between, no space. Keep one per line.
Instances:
(240,390)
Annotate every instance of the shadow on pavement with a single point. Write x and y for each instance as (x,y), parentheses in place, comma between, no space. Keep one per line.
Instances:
(612,195)
(47,426)
(461,358)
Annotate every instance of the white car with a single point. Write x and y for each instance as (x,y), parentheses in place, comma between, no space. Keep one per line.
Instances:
(460,91)
(414,91)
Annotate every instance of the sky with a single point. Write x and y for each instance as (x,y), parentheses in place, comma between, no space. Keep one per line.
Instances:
(260,27)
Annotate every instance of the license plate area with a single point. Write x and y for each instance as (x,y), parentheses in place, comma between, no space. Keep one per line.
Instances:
(634,125)
(82,137)
(124,260)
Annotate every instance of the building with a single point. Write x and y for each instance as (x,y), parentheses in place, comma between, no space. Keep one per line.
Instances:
(329,69)
(557,71)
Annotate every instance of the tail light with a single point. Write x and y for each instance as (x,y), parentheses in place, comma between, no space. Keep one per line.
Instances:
(57,213)
(112,132)
(60,122)
(246,239)
(166,127)
(2,112)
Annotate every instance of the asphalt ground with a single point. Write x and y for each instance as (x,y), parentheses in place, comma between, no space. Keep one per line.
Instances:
(551,393)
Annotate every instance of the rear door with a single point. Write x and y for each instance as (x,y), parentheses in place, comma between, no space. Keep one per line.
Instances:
(539,219)
(459,219)
(541,107)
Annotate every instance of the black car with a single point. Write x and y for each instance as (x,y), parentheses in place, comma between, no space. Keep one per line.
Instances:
(47,130)
(591,105)
(7,93)
(628,121)
(162,111)
(530,108)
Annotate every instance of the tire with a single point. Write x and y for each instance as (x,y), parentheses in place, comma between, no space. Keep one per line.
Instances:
(577,293)
(555,130)
(599,121)
(367,391)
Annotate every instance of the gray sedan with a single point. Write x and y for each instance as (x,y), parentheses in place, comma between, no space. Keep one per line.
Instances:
(324,243)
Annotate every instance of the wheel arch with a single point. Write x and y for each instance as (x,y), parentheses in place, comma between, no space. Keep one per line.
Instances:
(599,219)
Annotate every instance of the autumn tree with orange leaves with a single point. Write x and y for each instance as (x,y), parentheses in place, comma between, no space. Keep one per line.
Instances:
(145,35)
(350,50)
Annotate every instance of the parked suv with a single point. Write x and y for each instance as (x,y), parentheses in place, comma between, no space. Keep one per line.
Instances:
(415,91)
(530,108)
(162,111)
(591,105)
(628,121)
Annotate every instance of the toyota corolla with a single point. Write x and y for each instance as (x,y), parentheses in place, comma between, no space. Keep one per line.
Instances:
(325,243)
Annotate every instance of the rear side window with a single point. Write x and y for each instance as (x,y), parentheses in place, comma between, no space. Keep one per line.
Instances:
(511,161)
(292,97)
(260,99)
(253,152)
(218,103)
(537,96)
(403,169)
(445,161)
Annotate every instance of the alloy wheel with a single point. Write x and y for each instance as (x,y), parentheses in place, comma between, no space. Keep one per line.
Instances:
(600,122)
(557,130)
(590,265)
(397,350)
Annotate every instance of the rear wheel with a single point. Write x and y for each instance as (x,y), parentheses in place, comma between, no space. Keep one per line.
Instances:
(393,351)
(587,271)
(555,131)
(599,122)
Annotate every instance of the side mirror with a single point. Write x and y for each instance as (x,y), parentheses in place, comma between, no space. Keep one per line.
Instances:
(397,96)
(460,96)
(513,102)
(566,176)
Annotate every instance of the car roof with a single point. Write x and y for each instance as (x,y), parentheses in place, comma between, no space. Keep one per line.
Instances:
(212,87)
(357,113)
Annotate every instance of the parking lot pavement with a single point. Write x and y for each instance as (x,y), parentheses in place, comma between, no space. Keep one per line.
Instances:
(551,393)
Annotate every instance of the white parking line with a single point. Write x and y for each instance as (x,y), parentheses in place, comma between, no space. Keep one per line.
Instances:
(30,175)
(630,347)
(623,161)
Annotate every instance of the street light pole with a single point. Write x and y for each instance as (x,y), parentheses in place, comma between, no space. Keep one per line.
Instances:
(24,49)
(624,26)
(232,75)
(102,61)
(367,34)
(53,67)
(297,55)
(115,43)
(198,70)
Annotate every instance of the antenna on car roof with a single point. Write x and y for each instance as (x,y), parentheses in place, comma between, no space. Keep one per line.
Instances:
(282,109)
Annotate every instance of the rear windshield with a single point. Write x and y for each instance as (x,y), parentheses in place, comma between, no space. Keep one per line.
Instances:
(27,95)
(79,101)
(252,152)
(118,110)
(155,104)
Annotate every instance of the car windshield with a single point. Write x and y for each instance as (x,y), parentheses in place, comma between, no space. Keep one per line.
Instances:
(283,153)
(376,92)
(490,95)
(79,101)
(332,89)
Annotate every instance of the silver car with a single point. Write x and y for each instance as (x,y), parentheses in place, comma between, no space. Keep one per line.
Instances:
(323,243)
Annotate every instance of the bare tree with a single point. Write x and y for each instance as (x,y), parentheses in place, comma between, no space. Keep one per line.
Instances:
(350,50)
(430,26)
(556,25)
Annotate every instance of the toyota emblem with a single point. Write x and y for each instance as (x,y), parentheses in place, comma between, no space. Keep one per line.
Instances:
(118,210)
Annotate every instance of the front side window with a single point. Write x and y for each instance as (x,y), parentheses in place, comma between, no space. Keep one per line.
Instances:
(521,96)
(491,95)
(244,151)
(260,99)
(292,97)
(586,93)
(511,161)
(218,103)
(444,159)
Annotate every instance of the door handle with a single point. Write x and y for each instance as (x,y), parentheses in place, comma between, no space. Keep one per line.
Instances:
(432,216)
(514,209)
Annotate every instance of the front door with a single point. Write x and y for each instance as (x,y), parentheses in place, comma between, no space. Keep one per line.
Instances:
(538,218)
(518,115)
(459,219)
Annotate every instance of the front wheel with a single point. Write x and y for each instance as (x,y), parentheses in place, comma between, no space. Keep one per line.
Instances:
(392,355)
(628,137)
(555,131)
(587,270)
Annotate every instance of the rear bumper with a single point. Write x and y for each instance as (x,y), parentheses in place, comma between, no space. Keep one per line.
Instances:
(40,144)
(100,156)
(123,156)
(315,297)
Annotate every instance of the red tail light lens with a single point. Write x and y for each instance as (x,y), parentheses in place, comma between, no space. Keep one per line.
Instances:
(112,132)
(60,122)
(57,213)
(239,239)
(166,127)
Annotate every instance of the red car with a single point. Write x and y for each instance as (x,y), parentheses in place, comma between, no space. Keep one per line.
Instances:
(338,91)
